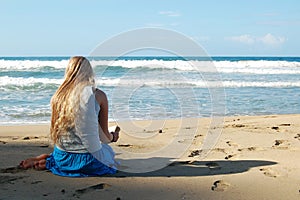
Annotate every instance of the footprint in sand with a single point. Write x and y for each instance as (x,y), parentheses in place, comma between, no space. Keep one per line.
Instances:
(281,144)
(232,144)
(220,186)
(91,188)
(12,170)
(297,136)
(248,149)
(195,153)
(285,124)
(251,149)
(9,179)
(238,125)
(125,145)
(269,172)
(230,156)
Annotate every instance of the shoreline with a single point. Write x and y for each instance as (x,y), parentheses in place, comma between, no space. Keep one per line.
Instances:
(113,122)
(255,157)
(43,128)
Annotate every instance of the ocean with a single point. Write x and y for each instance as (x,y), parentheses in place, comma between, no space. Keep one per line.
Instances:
(157,87)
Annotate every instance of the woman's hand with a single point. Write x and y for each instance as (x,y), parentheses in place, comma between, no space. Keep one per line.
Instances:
(115,134)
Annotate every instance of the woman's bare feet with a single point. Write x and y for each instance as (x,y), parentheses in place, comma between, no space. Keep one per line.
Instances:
(38,162)
(28,163)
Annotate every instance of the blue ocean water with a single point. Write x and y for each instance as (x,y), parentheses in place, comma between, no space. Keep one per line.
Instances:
(157,87)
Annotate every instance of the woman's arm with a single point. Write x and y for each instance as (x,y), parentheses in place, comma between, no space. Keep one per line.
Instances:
(105,135)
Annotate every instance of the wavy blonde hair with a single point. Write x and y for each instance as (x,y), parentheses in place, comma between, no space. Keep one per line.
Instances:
(65,101)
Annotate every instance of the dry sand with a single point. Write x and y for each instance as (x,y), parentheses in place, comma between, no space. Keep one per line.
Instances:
(256,157)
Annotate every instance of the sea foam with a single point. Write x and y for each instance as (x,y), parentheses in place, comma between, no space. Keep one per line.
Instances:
(251,67)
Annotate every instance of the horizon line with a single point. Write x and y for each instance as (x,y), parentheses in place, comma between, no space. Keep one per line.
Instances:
(7,56)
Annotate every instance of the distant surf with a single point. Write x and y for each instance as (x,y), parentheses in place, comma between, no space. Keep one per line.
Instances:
(252,85)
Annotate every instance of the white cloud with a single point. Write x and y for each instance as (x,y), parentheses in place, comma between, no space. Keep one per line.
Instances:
(246,39)
(170,13)
(268,39)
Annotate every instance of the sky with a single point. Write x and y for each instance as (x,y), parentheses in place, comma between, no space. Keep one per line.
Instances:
(221,28)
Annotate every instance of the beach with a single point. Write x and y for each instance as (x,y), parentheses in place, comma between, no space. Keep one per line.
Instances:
(206,95)
(255,157)
(174,142)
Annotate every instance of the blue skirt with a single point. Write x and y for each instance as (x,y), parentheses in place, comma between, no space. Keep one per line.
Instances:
(64,163)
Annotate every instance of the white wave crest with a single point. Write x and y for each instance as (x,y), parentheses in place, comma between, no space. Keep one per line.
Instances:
(31,64)
(117,82)
(258,67)
(19,81)
(248,67)
(152,64)
(195,84)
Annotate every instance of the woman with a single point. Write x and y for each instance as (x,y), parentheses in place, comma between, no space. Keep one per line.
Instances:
(79,119)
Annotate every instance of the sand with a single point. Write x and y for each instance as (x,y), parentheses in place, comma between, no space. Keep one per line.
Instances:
(255,157)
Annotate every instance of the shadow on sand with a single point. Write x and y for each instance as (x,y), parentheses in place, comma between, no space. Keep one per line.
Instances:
(177,168)
(190,168)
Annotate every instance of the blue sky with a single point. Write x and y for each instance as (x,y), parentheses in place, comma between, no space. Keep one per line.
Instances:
(231,27)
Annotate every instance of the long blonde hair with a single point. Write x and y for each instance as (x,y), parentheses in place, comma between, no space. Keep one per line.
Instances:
(65,101)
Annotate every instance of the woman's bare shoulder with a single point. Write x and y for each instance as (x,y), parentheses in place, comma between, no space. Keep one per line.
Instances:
(100,94)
